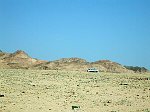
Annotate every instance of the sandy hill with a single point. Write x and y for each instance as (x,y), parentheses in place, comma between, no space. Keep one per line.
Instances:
(21,60)
(111,66)
(71,60)
(3,55)
(75,64)
(18,59)
(78,64)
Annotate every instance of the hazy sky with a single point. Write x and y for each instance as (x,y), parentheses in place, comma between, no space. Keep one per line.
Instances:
(118,30)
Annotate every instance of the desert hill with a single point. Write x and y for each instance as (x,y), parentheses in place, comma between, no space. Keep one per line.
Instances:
(78,64)
(3,55)
(18,59)
(71,60)
(75,64)
(111,66)
(21,60)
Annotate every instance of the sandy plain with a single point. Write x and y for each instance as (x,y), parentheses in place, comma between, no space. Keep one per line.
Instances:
(58,91)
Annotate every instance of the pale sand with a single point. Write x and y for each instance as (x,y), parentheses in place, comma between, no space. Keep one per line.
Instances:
(58,91)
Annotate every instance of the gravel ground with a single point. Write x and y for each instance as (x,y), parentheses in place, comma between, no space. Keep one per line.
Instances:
(71,91)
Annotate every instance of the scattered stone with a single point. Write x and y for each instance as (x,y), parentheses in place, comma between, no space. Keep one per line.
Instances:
(2,95)
(75,107)
(45,74)
(108,101)
(123,84)
(87,91)
(105,104)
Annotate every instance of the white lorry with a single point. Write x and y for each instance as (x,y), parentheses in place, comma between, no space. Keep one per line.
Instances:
(92,70)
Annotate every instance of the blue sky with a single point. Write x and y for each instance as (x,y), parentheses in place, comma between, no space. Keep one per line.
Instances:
(118,30)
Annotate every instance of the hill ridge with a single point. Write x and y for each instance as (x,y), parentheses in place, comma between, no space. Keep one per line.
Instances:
(20,59)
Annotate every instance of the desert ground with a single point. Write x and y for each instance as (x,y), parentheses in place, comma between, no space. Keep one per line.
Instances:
(58,91)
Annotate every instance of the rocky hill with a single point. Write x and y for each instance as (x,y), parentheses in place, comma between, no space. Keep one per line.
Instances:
(137,69)
(18,59)
(3,55)
(78,64)
(21,60)
(111,66)
(71,60)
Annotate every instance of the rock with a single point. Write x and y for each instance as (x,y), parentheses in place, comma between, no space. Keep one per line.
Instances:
(75,107)
(2,95)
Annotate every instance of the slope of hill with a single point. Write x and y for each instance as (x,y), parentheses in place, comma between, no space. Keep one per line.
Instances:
(75,64)
(71,60)
(3,55)
(21,60)
(78,64)
(137,69)
(111,66)
(18,59)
